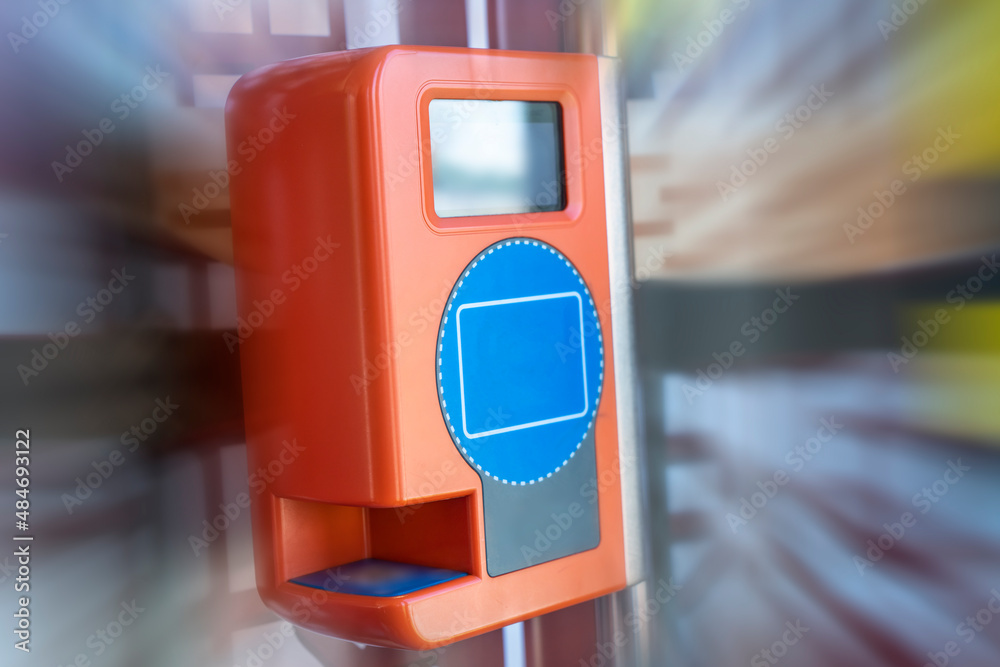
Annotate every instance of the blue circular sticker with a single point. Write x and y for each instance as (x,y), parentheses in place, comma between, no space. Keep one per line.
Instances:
(520,362)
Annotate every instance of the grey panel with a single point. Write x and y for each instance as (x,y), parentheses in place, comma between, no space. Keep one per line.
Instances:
(538,523)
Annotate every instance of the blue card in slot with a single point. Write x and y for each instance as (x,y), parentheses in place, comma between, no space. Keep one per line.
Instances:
(377,578)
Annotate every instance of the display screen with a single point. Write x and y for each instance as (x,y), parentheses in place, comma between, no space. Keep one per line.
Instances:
(496,157)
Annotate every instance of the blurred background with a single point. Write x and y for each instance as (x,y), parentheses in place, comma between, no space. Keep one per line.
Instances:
(816,208)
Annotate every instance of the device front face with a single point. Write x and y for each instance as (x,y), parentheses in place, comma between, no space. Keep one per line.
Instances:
(477,221)
(504,213)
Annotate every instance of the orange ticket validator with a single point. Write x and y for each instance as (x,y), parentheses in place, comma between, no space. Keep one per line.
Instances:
(435,335)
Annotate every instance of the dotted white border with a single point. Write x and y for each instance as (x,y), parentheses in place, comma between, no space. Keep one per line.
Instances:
(444,320)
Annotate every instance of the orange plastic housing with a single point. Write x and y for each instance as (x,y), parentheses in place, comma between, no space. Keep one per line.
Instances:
(343,272)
